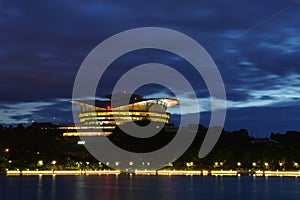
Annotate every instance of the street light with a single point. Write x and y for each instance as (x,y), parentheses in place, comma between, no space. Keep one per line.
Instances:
(254,164)
(280,165)
(40,163)
(266,164)
(189,164)
(216,164)
(239,164)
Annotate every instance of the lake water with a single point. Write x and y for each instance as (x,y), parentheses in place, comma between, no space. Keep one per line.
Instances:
(125,187)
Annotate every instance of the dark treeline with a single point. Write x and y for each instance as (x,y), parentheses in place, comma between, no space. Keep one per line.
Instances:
(237,150)
(23,147)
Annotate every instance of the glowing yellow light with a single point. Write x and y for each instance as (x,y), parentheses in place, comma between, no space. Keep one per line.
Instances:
(6,150)
(40,163)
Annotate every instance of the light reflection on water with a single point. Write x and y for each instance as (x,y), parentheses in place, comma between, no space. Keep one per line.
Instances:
(124,187)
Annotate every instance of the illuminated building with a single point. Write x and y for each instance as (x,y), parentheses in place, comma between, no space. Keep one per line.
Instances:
(101,118)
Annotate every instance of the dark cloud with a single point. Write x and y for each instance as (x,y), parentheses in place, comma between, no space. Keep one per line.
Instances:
(254,44)
(21,117)
(60,112)
(264,120)
(259,121)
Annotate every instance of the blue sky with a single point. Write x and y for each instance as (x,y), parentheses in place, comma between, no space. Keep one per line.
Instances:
(255,44)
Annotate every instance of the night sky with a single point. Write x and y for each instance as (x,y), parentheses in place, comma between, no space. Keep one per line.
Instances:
(255,44)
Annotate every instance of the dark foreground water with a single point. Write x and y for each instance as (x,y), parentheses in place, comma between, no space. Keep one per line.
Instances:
(149,187)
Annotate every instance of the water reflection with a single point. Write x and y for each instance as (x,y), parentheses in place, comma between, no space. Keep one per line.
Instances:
(40,187)
(124,187)
(80,187)
(53,187)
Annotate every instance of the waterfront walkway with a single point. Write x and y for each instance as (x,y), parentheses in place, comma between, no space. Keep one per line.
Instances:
(153,172)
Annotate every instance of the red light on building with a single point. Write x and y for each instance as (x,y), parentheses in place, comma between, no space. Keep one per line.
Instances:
(108,107)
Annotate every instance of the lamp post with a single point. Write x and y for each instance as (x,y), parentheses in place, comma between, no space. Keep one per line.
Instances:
(296,165)
(53,163)
(100,165)
(280,165)
(216,164)
(189,164)
(266,165)
(221,164)
(40,163)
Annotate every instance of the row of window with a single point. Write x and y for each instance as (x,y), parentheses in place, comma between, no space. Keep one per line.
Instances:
(68,134)
(124,119)
(135,106)
(130,113)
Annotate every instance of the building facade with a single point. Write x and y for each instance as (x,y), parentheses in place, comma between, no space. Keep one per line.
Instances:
(100,118)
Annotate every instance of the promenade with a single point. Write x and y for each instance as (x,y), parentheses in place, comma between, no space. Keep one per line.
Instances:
(153,172)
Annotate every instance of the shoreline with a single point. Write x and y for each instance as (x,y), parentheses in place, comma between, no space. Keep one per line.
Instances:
(151,172)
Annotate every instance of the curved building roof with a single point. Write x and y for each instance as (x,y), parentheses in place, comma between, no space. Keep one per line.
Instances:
(120,100)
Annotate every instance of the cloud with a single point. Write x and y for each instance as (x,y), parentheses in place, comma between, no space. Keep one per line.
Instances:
(27,112)
(254,44)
